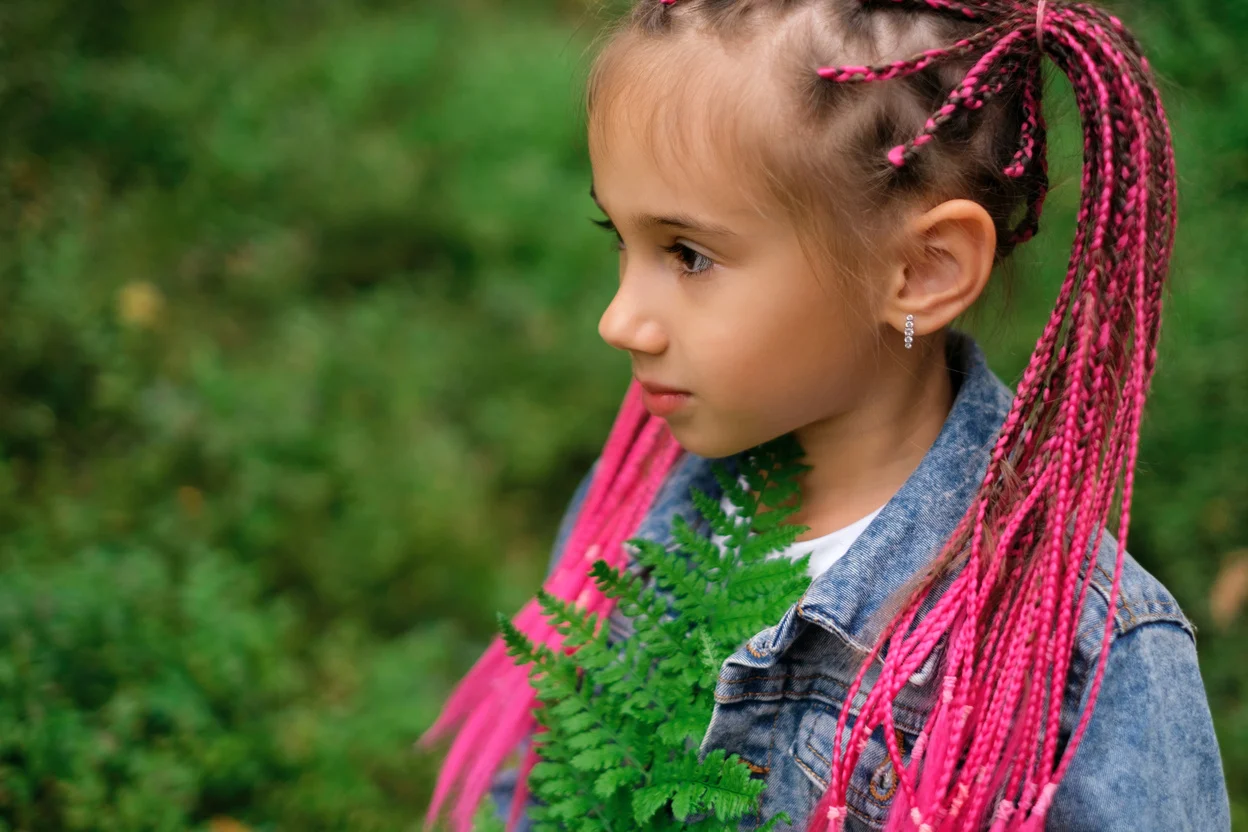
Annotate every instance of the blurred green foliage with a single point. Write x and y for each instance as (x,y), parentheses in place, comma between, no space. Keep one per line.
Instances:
(298,366)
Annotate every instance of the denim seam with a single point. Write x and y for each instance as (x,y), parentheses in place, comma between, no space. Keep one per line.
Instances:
(791,678)
(871,782)
(1179,622)
(822,758)
(881,801)
(831,626)
(772,745)
(1161,610)
(1104,590)
(753,766)
(764,769)
(828,709)
(849,787)
(747,697)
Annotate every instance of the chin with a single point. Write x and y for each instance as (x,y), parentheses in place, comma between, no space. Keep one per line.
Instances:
(708,447)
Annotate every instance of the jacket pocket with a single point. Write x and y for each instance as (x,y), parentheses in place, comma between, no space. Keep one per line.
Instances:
(873,783)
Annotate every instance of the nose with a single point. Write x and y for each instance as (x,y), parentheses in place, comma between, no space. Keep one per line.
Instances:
(628,323)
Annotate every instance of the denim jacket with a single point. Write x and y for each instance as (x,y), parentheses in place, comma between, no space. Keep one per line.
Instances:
(1149,758)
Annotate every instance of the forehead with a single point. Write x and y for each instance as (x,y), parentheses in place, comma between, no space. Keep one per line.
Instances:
(693,112)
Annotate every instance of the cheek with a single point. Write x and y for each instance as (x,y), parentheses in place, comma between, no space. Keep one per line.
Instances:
(776,341)
(765,367)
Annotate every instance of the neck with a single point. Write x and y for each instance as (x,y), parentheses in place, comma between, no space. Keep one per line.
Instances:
(861,457)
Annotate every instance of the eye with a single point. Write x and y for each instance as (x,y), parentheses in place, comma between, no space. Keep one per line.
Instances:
(692,262)
(610,226)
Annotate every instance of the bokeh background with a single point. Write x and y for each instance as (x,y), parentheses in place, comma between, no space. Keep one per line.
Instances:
(299,366)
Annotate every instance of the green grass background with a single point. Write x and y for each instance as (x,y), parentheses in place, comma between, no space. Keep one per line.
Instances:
(299,365)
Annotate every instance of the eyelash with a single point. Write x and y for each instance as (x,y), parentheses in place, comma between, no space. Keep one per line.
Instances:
(678,250)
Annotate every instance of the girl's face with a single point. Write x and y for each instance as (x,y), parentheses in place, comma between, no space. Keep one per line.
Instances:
(717,297)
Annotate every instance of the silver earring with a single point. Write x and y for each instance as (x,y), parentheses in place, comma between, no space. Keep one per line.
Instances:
(909,332)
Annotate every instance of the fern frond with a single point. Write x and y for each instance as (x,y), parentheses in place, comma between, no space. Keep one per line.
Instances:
(625,722)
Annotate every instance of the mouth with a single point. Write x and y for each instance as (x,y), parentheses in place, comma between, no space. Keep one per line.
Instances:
(661,389)
(662,400)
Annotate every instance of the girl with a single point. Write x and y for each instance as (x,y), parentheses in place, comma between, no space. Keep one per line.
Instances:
(807,193)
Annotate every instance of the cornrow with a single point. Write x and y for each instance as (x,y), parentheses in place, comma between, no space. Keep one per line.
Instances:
(987,754)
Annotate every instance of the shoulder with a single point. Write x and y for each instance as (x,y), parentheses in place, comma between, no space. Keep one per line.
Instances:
(1141,598)
(1151,723)
(1144,608)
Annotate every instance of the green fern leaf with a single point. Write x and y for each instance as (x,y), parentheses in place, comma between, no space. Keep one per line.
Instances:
(624,722)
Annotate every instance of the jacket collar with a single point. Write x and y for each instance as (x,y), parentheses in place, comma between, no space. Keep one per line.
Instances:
(907,533)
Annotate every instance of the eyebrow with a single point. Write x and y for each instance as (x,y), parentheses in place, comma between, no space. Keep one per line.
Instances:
(679,222)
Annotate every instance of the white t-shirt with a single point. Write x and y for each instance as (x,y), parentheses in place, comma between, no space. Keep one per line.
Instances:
(824,551)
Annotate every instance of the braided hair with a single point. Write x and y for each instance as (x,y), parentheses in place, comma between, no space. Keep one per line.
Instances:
(1007,590)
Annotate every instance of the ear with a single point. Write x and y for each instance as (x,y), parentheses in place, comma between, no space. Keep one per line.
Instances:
(946,259)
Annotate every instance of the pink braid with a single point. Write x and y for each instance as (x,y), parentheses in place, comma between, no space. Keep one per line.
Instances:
(490,709)
(1028,543)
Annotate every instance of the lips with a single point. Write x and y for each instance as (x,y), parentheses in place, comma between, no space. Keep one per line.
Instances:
(660,389)
(662,400)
